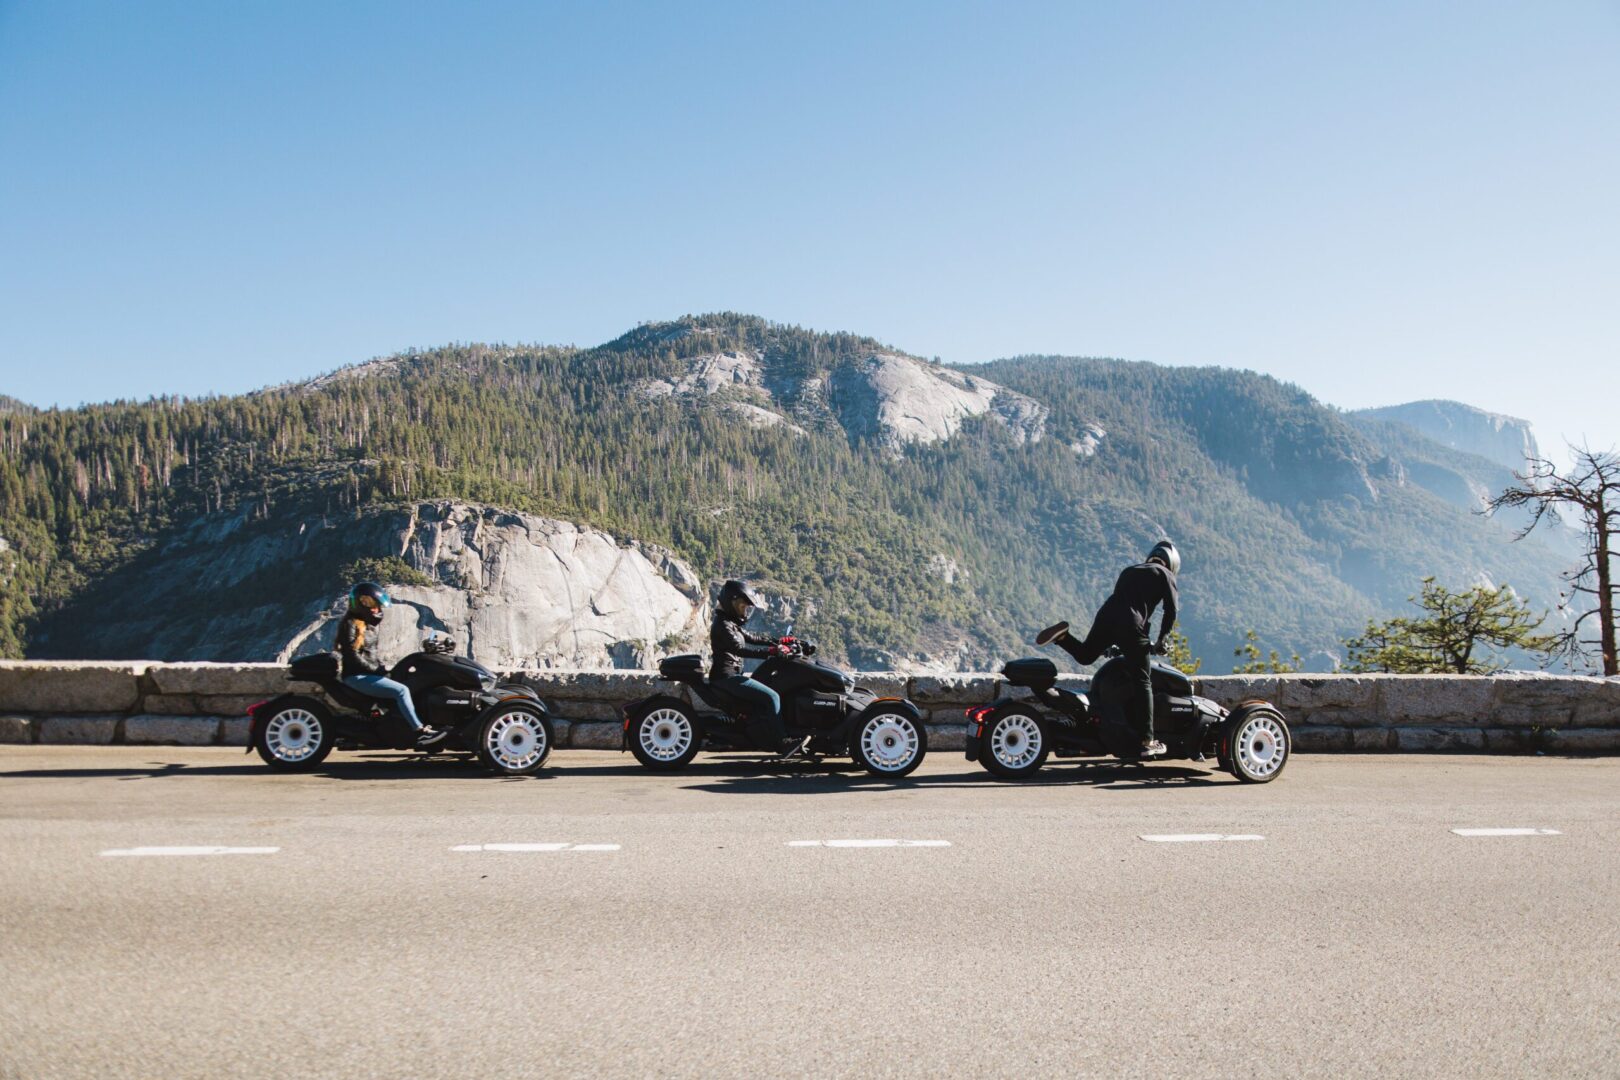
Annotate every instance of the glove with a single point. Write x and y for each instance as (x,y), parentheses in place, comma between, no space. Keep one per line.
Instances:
(1160,648)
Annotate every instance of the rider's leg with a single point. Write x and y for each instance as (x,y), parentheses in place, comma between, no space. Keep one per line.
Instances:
(764,707)
(1094,645)
(379,686)
(1138,654)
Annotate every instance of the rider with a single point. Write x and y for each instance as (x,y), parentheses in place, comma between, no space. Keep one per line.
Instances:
(357,652)
(731,644)
(1124,621)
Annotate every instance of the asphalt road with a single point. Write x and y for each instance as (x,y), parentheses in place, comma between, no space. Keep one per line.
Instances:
(702,925)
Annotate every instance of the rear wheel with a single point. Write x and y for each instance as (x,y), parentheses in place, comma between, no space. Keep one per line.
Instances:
(514,740)
(665,736)
(1014,745)
(1257,745)
(889,744)
(296,737)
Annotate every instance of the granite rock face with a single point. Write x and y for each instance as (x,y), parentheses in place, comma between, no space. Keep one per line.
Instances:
(898,399)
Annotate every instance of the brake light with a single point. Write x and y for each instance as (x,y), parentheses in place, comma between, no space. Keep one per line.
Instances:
(253,709)
(977,715)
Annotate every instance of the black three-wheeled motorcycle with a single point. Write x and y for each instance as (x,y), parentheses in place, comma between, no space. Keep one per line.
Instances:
(504,724)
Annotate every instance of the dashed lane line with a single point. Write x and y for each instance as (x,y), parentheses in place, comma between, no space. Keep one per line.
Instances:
(535,847)
(876,843)
(1197,837)
(1507,832)
(198,850)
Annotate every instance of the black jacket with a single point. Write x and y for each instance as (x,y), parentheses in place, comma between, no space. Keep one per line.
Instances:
(1139,590)
(357,649)
(730,644)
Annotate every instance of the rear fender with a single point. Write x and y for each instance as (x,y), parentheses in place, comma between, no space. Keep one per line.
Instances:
(880,705)
(980,717)
(269,707)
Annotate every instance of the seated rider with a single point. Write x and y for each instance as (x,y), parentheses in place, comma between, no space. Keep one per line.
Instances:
(358,664)
(731,644)
(1124,621)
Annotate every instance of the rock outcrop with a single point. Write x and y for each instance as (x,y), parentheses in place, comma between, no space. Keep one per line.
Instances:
(897,399)
(1505,440)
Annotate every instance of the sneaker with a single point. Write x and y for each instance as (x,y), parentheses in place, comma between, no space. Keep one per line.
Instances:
(1152,749)
(428,738)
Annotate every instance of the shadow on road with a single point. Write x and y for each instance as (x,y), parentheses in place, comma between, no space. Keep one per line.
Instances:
(346,769)
(748,778)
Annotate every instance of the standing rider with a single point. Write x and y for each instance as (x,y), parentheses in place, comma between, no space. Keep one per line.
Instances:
(1124,621)
(357,652)
(731,644)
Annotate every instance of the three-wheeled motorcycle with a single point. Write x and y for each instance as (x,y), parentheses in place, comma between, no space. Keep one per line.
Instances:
(504,724)
(884,735)
(1013,736)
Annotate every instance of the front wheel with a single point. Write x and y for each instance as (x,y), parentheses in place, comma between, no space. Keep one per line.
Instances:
(1257,745)
(889,744)
(296,737)
(665,736)
(1014,746)
(514,740)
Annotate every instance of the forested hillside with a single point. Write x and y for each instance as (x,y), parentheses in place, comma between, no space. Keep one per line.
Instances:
(793,457)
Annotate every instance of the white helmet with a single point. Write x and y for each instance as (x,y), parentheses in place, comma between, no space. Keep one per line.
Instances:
(1165,552)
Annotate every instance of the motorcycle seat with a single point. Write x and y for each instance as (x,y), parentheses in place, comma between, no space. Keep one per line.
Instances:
(720,697)
(351,698)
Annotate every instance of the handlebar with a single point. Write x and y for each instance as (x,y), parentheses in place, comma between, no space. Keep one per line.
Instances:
(797,647)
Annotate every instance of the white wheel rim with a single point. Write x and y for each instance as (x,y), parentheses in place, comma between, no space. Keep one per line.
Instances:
(665,734)
(1260,746)
(293,735)
(1016,740)
(889,741)
(516,739)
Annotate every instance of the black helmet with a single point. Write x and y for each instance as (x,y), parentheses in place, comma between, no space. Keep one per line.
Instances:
(367,600)
(734,594)
(1165,552)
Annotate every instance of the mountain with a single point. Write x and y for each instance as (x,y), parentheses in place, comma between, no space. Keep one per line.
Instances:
(903,512)
(1504,440)
(9,404)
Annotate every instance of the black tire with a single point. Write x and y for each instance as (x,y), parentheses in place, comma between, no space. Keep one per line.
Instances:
(295,736)
(1015,745)
(1256,744)
(890,743)
(514,739)
(665,735)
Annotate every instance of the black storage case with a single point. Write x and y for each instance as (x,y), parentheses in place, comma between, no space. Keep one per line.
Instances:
(320,667)
(1035,672)
(687,667)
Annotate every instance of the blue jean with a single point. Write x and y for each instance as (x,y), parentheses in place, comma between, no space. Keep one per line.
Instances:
(764,708)
(380,686)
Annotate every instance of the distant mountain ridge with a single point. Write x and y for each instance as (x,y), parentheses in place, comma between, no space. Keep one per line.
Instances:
(1505,440)
(906,513)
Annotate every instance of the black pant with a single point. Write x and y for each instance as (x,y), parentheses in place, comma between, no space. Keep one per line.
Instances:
(1137,657)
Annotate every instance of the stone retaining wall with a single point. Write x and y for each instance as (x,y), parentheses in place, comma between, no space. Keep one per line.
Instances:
(205,704)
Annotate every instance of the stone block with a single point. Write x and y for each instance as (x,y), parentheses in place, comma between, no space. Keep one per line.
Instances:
(151,730)
(233,731)
(931,691)
(1230,690)
(613,686)
(1600,706)
(561,732)
(587,710)
(1511,740)
(1337,717)
(1372,739)
(69,687)
(946,737)
(261,680)
(16,729)
(1314,739)
(596,736)
(1465,700)
(170,705)
(1308,693)
(883,683)
(1439,738)
(1583,741)
(68,730)
(1075,684)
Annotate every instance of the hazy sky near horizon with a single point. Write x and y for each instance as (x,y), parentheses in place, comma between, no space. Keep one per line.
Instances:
(1380,202)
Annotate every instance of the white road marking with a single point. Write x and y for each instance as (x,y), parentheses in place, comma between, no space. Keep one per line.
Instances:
(1507,832)
(1198,837)
(868,843)
(138,851)
(535,847)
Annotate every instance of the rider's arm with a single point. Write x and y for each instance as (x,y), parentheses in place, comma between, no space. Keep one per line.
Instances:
(1168,622)
(740,642)
(350,640)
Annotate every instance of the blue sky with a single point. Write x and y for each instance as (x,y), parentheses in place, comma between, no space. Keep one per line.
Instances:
(1380,202)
